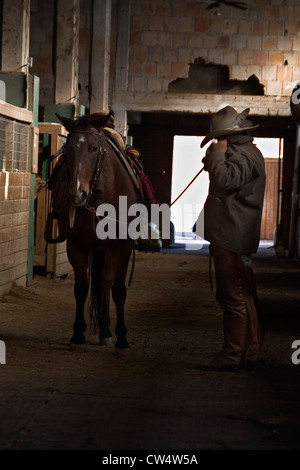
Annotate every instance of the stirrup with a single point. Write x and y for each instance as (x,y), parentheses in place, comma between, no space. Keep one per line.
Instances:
(49,229)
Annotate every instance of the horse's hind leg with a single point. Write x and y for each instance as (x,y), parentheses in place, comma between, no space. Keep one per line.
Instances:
(119,297)
(81,289)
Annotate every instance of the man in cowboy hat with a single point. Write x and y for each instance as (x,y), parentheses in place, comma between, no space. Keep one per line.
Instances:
(232,218)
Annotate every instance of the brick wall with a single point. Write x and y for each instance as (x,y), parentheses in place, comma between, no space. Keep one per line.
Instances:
(165,36)
(14,229)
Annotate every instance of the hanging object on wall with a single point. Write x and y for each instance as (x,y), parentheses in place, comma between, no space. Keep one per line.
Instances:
(217,6)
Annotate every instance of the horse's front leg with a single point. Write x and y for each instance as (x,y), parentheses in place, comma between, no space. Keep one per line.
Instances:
(105,337)
(104,272)
(119,293)
(101,286)
(80,263)
(81,289)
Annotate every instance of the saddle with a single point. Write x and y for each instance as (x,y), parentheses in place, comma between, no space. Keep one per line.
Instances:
(146,187)
(130,159)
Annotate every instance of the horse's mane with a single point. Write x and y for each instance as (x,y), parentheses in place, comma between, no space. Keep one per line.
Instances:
(93,121)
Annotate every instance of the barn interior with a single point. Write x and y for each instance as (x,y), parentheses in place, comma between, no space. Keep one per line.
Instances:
(163,68)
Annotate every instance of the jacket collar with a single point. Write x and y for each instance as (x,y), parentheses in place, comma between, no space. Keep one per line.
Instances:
(238,139)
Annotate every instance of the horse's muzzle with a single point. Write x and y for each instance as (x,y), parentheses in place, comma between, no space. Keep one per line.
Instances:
(79,199)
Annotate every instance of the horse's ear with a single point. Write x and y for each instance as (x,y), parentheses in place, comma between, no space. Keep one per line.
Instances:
(99,120)
(68,123)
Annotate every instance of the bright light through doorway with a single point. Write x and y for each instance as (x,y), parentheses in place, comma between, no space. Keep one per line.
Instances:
(187,161)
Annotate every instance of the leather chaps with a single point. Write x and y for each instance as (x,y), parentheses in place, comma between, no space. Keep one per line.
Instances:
(242,319)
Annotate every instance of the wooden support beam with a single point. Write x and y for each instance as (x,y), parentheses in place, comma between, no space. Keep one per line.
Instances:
(66,77)
(121,68)
(15,112)
(100,62)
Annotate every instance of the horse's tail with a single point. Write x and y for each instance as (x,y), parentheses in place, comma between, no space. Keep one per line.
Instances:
(96,267)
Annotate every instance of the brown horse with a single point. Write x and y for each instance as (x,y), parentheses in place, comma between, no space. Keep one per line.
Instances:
(95,174)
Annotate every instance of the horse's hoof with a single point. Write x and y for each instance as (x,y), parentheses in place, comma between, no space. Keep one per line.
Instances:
(81,348)
(122,344)
(106,342)
(77,340)
(122,352)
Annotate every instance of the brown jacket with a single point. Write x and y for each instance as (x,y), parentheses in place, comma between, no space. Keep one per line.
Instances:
(233,208)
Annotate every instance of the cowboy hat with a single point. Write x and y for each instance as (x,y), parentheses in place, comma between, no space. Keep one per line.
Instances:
(228,121)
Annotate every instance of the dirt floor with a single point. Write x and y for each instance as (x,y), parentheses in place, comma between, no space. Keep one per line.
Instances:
(57,396)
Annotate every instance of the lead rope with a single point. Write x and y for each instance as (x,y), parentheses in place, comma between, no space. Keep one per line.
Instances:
(132,266)
(191,182)
(196,176)
(210,276)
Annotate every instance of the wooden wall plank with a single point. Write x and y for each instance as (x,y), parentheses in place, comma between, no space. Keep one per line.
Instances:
(14,112)
(269,215)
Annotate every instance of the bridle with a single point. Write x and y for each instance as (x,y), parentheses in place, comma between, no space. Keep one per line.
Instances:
(101,152)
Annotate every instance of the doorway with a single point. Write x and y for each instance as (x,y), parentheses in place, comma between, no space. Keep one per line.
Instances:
(185,211)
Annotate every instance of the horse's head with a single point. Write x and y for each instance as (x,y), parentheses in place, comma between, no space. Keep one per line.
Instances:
(83,152)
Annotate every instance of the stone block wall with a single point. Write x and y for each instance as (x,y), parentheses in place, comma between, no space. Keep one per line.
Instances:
(166,36)
(14,229)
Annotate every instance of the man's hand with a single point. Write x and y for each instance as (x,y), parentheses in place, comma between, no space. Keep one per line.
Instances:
(218,146)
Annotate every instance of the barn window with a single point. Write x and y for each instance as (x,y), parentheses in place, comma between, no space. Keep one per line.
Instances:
(14,145)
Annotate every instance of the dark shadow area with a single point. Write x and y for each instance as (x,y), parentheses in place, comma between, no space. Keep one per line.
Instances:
(214,78)
(280,302)
(156,396)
